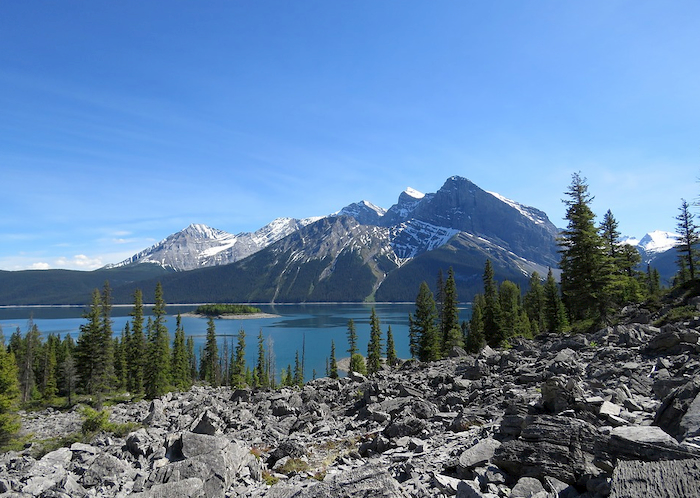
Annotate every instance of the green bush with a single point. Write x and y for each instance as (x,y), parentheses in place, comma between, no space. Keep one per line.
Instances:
(679,314)
(94,421)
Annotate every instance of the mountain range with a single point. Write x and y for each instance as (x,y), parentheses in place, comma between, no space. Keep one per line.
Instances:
(360,253)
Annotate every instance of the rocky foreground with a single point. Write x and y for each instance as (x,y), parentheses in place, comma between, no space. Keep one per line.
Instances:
(616,413)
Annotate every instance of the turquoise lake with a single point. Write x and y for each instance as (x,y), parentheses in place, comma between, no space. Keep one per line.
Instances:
(316,325)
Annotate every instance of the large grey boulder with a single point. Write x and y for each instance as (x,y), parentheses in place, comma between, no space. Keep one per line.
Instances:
(554,446)
(214,460)
(367,481)
(671,413)
(192,487)
(479,454)
(661,479)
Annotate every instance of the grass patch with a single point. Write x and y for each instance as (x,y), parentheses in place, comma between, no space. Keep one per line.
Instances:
(269,479)
(679,314)
(294,465)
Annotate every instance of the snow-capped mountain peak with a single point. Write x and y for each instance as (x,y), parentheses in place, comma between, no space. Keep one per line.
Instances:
(411,192)
(658,241)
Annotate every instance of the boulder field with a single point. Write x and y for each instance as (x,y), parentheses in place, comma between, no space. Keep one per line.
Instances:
(615,413)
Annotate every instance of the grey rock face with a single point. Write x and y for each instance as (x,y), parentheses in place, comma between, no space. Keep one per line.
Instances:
(549,417)
(662,479)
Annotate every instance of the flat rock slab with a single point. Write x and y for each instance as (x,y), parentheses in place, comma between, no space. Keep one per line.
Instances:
(663,479)
(478,454)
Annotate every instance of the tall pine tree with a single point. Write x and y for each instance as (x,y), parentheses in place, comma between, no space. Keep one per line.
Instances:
(688,240)
(210,358)
(492,316)
(424,332)
(136,347)
(157,370)
(374,347)
(451,330)
(583,259)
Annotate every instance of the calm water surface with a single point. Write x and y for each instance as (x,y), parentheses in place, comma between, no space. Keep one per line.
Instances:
(316,325)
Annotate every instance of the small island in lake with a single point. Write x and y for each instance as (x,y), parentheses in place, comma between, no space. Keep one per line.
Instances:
(237,311)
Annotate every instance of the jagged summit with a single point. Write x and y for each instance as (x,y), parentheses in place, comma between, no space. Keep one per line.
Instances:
(411,192)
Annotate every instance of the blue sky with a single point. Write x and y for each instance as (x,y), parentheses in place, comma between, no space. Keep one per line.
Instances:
(124,122)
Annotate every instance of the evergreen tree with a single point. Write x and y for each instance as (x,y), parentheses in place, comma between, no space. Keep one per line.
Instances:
(27,352)
(492,316)
(270,362)
(50,382)
(333,370)
(261,368)
(391,358)
(238,364)
(210,359)
(583,260)
(509,301)
(352,342)
(157,370)
(374,347)
(180,367)
(688,240)
(191,360)
(358,363)
(451,330)
(653,281)
(440,298)
(298,379)
(88,356)
(9,395)
(555,313)
(121,368)
(475,338)
(533,303)
(424,335)
(136,347)
(106,376)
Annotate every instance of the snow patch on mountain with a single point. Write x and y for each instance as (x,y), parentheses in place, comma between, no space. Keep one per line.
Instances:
(411,192)
(414,237)
(658,241)
(530,213)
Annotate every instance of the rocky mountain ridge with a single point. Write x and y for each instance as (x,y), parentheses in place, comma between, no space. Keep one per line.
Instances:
(459,206)
(615,413)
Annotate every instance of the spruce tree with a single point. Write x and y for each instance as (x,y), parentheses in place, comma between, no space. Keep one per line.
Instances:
(391,358)
(191,360)
(533,303)
(333,369)
(298,379)
(424,333)
(374,347)
(261,368)
(50,382)
(88,354)
(210,361)
(107,376)
(179,365)
(555,313)
(352,343)
(451,330)
(157,370)
(238,365)
(9,395)
(688,240)
(136,347)
(121,370)
(583,260)
(508,298)
(493,327)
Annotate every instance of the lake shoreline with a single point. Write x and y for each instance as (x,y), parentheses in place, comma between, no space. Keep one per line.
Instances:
(244,316)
